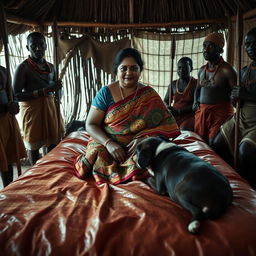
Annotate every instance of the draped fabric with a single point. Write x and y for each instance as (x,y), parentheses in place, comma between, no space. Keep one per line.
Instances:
(209,118)
(11,145)
(183,100)
(247,124)
(40,123)
(139,115)
(103,53)
(49,211)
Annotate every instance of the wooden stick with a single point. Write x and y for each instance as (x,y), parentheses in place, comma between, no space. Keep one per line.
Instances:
(56,63)
(9,86)
(239,39)
(18,20)
(173,49)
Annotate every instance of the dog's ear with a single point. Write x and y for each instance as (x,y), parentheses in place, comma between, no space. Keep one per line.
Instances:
(144,158)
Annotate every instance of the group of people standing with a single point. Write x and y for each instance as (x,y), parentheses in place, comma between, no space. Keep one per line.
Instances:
(35,86)
(207,106)
(126,111)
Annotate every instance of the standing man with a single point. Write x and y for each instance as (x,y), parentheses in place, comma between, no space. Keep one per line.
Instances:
(34,86)
(11,145)
(246,93)
(181,93)
(212,96)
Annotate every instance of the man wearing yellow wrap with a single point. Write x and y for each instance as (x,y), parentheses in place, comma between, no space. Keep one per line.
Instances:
(34,86)
(122,113)
(214,85)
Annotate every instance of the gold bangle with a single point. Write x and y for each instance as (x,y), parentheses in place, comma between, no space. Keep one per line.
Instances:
(35,93)
(106,142)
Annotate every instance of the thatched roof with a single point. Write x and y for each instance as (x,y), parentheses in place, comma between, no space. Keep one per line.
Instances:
(124,13)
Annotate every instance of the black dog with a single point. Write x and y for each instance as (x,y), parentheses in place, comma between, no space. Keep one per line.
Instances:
(73,126)
(193,183)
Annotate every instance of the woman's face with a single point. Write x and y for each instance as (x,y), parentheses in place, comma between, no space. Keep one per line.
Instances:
(128,72)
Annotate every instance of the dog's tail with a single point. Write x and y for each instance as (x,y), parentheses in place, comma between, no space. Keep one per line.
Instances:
(212,212)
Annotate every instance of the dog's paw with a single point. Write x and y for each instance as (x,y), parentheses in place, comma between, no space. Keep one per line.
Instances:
(193,226)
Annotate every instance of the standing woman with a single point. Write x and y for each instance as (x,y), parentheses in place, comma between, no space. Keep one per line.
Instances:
(182,95)
(121,114)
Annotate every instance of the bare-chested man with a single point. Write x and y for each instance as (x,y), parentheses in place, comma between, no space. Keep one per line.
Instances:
(182,95)
(225,140)
(11,145)
(34,86)
(212,96)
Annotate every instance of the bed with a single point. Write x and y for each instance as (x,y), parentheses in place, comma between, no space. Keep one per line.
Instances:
(49,211)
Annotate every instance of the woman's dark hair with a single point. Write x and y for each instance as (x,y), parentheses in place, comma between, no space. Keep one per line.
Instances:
(187,59)
(124,53)
(35,35)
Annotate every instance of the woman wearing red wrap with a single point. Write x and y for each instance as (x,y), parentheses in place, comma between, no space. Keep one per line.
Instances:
(181,93)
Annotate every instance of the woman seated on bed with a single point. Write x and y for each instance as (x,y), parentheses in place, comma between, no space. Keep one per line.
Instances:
(121,114)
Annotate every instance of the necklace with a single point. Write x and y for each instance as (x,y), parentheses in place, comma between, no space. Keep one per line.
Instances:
(122,95)
(206,82)
(35,67)
(186,88)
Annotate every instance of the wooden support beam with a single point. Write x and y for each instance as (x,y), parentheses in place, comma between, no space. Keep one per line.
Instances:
(18,20)
(131,11)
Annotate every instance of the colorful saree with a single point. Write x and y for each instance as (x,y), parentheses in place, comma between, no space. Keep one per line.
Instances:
(140,115)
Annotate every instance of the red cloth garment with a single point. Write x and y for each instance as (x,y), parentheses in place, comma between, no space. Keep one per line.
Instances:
(209,118)
(182,100)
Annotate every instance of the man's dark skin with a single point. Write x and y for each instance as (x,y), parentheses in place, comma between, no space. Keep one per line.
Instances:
(246,94)
(26,81)
(184,69)
(214,87)
(12,108)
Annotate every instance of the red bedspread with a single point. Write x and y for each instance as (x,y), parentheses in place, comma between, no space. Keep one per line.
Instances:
(49,211)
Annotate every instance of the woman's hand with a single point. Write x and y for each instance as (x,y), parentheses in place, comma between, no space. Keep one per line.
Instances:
(116,151)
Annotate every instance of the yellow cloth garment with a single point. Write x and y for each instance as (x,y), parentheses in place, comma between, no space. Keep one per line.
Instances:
(40,123)
(11,145)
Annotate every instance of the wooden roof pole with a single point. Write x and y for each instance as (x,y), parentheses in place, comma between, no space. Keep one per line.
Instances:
(18,20)
(56,63)
(239,40)
(173,49)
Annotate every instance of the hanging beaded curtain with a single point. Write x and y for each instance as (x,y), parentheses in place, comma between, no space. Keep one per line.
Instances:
(156,53)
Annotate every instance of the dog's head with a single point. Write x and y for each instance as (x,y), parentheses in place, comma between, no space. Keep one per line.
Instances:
(73,126)
(146,149)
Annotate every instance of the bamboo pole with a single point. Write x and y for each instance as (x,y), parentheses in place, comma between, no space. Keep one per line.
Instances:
(20,21)
(56,63)
(9,86)
(239,39)
(173,49)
